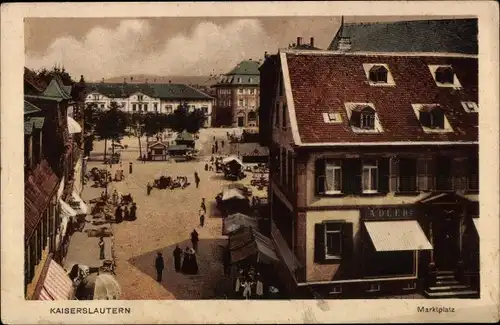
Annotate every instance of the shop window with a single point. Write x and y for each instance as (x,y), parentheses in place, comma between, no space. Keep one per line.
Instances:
(378,73)
(407,181)
(370,176)
(333,241)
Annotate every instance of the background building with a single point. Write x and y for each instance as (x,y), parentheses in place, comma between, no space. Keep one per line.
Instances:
(237,102)
(373,175)
(154,97)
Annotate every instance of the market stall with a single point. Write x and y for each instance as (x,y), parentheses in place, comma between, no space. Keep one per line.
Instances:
(237,220)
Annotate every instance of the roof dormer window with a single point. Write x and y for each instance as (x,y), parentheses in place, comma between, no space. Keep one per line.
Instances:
(332,118)
(363,118)
(470,107)
(432,117)
(239,80)
(445,75)
(378,73)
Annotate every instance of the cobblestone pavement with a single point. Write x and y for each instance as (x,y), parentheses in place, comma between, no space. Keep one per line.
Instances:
(164,219)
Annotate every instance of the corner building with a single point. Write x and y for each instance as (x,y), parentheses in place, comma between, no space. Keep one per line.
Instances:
(374,184)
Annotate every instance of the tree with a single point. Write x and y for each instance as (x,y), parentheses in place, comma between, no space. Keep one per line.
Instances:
(154,123)
(111,125)
(182,119)
(47,75)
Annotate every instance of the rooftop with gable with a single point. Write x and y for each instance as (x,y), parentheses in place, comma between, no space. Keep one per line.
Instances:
(156,90)
(328,82)
(443,35)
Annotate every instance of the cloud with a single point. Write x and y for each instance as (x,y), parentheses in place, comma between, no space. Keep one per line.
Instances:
(103,53)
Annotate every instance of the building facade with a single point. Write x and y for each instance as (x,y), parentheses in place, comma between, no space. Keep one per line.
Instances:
(51,153)
(237,96)
(374,173)
(154,97)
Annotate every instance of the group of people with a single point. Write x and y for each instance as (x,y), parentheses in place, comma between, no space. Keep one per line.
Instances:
(215,146)
(184,260)
(249,283)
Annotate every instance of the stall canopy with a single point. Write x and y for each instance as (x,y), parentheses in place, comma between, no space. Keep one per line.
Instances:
(56,285)
(249,243)
(73,126)
(66,210)
(106,288)
(232,194)
(390,236)
(237,220)
(229,159)
(82,207)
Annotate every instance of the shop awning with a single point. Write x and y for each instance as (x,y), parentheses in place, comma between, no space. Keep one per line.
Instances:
(82,207)
(235,221)
(389,236)
(476,223)
(231,194)
(57,285)
(67,210)
(73,126)
(106,288)
(260,245)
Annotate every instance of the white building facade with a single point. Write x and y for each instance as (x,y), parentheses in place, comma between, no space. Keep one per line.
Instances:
(154,98)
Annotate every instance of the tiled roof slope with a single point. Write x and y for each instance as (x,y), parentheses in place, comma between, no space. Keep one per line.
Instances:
(248,67)
(155,90)
(446,35)
(38,191)
(323,83)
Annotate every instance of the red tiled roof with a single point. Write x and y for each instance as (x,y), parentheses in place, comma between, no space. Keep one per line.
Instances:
(322,83)
(39,188)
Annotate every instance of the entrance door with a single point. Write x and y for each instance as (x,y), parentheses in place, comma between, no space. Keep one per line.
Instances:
(446,247)
(241,121)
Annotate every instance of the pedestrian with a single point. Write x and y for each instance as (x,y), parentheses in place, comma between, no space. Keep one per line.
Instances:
(197,179)
(130,167)
(195,239)
(118,214)
(159,266)
(216,146)
(247,292)
(222,144)
(177,258)
(115,197)
(101,248)
(203,206)
(126,214)
(149,188)
(213,149)
(202,218)
(133,211)
(144,159)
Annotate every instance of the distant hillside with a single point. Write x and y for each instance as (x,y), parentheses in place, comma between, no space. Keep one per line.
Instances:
(189,80)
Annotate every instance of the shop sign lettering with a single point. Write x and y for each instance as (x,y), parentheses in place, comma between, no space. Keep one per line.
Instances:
(389,212)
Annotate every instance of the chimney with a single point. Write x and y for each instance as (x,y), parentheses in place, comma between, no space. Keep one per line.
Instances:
(299,41)
(312,42)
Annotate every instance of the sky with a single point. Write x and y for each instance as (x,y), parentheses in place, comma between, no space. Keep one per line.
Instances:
(169,46)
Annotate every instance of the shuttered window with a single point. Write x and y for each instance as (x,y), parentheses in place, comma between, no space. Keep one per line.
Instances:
(473,173)
(333,241)
(407,175)
(444,180)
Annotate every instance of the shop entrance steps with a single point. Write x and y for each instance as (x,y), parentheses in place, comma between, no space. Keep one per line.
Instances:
(447,286)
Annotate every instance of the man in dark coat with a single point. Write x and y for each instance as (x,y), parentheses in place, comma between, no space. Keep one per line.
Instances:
(197,178)
(203,206)
(202,218)
(130,168)
(101,248)
(159,266)
(133,211)
(177,258)
(118,215)
(195,239)
(149,188)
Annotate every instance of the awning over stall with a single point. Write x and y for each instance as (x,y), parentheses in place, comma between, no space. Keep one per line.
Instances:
(390,236)
(73,126)
(248,242)
(235,221)
(232,158)
(233,193)
(82,207)
(56,285)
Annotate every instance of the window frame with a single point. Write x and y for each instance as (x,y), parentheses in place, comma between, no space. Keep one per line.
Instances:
(367,115)
(380,70)
(333,164)
(337,232)
(370,167)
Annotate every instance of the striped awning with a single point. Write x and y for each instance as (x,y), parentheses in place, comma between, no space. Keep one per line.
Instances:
(73,126)
(67,210)
(57,285)
(391,236)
